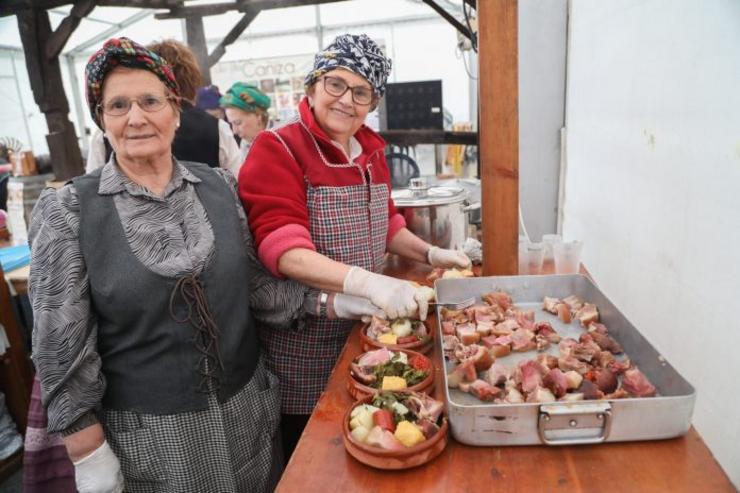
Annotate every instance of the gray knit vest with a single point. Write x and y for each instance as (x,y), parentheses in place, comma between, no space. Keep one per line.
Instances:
(149,360)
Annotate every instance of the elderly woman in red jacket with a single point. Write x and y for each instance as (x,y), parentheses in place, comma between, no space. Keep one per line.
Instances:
(317,191)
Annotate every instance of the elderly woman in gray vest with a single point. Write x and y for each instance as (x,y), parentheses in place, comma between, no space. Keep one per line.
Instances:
(141,282)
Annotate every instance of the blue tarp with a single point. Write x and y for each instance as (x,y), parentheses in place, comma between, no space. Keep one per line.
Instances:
(14,257)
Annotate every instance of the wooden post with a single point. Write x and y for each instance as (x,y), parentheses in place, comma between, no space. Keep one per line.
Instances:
(195,37)
(48,92)
(499,134)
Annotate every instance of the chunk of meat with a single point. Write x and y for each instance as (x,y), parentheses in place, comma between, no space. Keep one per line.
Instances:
(378,437)
(586,351)
(574,302)
(546,330)
(555,381)
(524,321)
(637,384)
(619,367)
(424,406)
(478,354)
(377,327)
(500,350)
(457,316)
(541,394)
(448,327)
(420,328)
(428,428)
(547,360)
(467,334)
(528,375)
(589,390)
(505,328)
(464,372)
(603,359)
(364,374)
(563,312)
(550,305)
(499,298)
(449,344)
(522,340)
(566,346)
(377,357)
(497,374)
(605,380)
(571,363)
(484,390)
(484,328)
(541,343)
(606,342)
(587,314)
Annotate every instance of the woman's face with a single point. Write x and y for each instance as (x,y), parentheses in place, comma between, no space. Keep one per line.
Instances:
(138,134)
(340,117)
(245,124)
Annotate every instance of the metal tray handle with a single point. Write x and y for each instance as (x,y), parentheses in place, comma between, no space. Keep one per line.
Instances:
(568,422)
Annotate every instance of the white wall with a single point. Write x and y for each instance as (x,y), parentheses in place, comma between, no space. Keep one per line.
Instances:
(653,168)
(542,47)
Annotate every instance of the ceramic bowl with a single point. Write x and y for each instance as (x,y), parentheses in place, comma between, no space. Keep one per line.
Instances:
(359,390)
(422,346)
(394,459)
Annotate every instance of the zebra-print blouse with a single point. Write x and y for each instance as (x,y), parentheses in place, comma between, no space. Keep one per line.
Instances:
(170,235)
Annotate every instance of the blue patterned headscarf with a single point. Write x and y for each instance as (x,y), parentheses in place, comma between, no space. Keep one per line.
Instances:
(357,53)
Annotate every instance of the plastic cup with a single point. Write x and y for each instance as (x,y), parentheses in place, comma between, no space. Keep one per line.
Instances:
(531,256)
(567,256)
(549,241)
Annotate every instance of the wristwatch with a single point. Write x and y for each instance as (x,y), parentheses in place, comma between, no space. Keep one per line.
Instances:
(323,298)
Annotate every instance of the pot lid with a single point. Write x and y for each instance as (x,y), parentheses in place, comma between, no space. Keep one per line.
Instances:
(407,197)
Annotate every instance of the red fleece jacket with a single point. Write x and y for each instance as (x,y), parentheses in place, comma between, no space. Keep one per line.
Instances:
(272,182)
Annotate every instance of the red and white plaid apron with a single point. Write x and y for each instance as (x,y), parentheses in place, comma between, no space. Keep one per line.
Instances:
(348,224)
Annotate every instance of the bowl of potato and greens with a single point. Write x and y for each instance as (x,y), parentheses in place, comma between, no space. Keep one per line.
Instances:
(383,369)
(395,429)
(398,334)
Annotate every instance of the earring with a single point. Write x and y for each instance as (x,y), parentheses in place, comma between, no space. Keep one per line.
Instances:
(177,125)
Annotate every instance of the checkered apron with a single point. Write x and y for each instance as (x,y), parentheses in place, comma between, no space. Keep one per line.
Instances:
(348,224)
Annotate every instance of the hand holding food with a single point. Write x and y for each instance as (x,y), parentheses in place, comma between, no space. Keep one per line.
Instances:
(441,257)
(354,307)
(397,298)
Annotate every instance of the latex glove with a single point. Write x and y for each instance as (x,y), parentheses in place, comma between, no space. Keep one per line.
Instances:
(354,307)
(397,298)
(441,257)
(99,472)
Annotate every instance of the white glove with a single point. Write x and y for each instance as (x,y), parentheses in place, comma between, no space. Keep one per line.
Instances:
(99,472)
(440,257)
(397,298)
(355,308)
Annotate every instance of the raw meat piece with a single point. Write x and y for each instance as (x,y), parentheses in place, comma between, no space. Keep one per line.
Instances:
(449,344)
(513,396)
(605,380)
(464,372)
(637,384)
(363,373)
(604,359)
(500,350)
(484,390)
(555,381)
(563,312)
(488,341)
(586,351)
(524,322)
(497,374)
(541,395)
(541,343)
(618,367)
(566,346)
(377,357)
(484,328)
(505,328)
(606,342)
(574,303)
(454,315)
(448,327)
(550,305)
(589,390)
(597,327)
(568,363)
(479,355)
(467,334)
(547,360)
(498,298)
(546,330)
(528,375)
(522,340)
(586,314)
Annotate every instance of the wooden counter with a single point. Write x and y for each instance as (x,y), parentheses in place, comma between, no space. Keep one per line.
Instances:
(320,462)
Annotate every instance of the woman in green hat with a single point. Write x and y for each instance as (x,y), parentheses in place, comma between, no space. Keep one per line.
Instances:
(246,110)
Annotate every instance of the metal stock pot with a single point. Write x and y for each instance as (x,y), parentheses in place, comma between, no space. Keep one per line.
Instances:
(437,215)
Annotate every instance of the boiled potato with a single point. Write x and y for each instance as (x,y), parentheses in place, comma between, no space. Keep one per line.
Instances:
(360,433)
(401,327)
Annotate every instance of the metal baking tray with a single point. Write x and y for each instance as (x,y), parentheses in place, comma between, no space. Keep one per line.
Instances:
(473,422)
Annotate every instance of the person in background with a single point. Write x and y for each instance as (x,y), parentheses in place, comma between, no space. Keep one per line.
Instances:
(317,192)
(199,138)
(142,278)
(246,110)
(207,99)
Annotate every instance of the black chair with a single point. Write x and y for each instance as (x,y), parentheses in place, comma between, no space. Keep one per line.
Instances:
(402,169)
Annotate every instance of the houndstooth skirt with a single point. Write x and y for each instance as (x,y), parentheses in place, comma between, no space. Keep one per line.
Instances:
(229,447)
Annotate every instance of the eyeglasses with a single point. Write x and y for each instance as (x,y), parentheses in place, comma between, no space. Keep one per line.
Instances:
(120,106)
(335,86)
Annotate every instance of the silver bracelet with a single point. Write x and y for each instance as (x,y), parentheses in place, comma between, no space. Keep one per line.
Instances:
(323,298)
